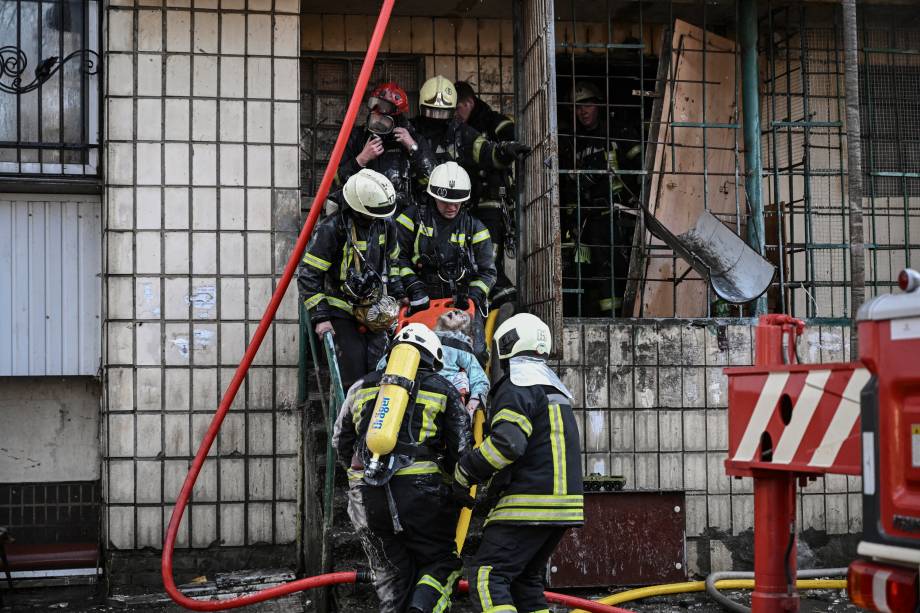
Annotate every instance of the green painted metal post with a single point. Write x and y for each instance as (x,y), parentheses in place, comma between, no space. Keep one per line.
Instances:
(336,399)
(753,164)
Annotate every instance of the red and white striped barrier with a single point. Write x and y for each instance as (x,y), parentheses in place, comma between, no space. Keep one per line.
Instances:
(796,418)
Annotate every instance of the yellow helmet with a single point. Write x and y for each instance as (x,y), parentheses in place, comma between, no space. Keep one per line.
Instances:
(438,98)
(585,92)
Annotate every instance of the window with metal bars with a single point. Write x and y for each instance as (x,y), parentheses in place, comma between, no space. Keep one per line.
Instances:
(654,82)
(649,128)
(890,116)
(64,512)
(889,75)
(49,89)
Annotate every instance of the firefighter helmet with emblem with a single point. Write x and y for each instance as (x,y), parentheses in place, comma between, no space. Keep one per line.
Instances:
(370,193)
(438,98)
(449,182)
(586,92)
(523,334)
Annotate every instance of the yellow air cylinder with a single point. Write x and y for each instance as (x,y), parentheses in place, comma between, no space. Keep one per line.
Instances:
(391,401)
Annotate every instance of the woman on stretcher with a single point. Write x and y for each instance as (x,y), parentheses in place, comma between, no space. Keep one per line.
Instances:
(460,365)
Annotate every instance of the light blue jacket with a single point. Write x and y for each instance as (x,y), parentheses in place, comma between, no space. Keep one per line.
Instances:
(456,359)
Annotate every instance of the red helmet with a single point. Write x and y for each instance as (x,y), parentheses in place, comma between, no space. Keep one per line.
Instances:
(388,98)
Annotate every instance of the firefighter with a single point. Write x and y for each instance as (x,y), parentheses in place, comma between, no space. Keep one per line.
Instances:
(493,190)
(451,139)
(596,210)
(388,144)
(406,517)
(349,277)
(445,252)
(533,457)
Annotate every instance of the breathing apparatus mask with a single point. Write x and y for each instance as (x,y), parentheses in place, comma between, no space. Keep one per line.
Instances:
(380,124)
(383,117)
(371,306)
(366,291)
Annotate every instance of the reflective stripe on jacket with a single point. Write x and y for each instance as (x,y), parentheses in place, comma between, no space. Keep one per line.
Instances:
(438,420)
(533,456)
(417,237)
(330,255)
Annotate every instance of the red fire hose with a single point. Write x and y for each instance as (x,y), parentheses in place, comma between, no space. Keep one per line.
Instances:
(166,567)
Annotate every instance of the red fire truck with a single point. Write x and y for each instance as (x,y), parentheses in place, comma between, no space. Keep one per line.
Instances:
(885,578)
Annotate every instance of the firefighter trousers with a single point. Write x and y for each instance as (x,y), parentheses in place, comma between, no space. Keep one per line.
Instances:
(509,569)
(418,567)
(494,220)
(357,352)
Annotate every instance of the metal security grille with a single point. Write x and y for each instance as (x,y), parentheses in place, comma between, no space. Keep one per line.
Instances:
(666,78)
(805,160)
(326,84)
(49,88)
(539,191)
(664,133)
(40,513)
(890,116)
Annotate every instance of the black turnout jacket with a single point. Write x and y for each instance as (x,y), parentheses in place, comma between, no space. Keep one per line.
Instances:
(435,430)
(425,251)
(407,171)
(532,455)
(332,252)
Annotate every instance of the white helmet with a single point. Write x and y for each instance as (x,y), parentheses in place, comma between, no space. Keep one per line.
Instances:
(523,333)
(449,182)
(370,193)
(427,341)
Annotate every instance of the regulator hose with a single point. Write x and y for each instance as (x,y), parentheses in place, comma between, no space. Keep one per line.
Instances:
(166,566)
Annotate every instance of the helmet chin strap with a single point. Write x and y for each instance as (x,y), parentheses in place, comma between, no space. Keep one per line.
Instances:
(360,218)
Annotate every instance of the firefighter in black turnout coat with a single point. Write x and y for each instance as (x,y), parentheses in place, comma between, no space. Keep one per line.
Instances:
(405,514)
(453,140)
(388,144)
(533,457)
(445,252)
(493,190)
(595,210)
(349,279)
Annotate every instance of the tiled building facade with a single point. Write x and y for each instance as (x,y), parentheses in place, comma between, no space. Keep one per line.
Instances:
(201,213)
(218,117)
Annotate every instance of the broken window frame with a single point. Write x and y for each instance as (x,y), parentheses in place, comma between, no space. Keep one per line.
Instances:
(807,234)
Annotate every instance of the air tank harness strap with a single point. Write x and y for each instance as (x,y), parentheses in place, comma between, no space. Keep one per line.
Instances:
(416,451)
(403,382)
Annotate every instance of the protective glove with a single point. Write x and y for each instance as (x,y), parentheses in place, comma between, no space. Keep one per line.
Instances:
(418,302)
(509,150)
(461,495)
(462,301)
(478,297)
